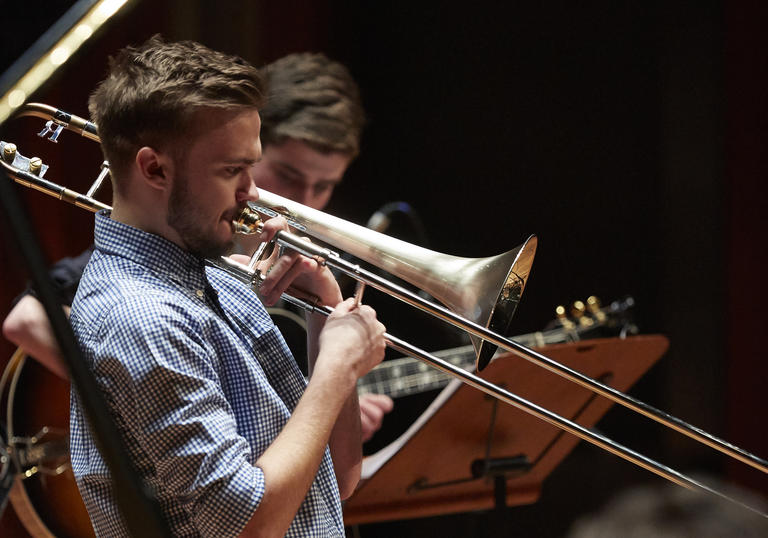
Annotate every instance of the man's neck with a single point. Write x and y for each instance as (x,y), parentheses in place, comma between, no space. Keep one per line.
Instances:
(146,216)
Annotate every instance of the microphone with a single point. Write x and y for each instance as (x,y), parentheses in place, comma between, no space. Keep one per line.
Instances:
(382,218)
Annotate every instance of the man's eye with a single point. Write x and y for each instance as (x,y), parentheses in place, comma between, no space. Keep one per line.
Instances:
(285,179)
(322,189)
(232,170)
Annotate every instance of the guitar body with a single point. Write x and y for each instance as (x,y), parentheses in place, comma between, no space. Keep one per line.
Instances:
(293,327)
(46,505)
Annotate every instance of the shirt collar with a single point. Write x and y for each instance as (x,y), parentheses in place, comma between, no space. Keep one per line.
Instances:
(152,251)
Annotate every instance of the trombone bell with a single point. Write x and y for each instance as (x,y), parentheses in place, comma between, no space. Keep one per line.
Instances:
(511,270)
(483,290)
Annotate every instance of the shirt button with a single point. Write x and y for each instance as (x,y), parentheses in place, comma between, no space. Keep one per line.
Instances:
(199,293)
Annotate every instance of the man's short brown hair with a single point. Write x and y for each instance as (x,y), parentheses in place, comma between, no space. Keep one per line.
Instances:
(152,92)
(312,99)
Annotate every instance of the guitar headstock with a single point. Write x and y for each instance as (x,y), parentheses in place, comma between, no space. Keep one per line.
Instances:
(590,319)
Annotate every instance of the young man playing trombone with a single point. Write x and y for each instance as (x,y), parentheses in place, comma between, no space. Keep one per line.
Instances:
(311,129)
(214,410)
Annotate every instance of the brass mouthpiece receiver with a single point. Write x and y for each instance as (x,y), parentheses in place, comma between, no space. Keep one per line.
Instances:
(247,222)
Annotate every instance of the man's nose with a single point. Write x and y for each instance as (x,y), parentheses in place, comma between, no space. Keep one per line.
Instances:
(304,196)
(248,191)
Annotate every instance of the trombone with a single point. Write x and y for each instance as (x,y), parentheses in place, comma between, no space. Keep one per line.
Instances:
(480,294)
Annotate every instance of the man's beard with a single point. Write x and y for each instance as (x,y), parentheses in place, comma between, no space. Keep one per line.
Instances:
(183,217)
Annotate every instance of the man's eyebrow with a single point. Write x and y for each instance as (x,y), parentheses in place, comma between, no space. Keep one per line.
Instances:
(241,161)
(289,167)
(299,173)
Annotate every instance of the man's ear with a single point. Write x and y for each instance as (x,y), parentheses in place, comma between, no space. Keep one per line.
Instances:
(155,167)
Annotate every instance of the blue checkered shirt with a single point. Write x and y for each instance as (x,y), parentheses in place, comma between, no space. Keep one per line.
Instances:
(199,382)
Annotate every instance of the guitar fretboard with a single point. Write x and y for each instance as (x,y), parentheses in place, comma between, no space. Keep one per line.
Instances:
(404,376)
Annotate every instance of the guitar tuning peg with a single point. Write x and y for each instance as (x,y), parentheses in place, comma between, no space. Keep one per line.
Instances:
(594,307)
(578,309)
(563,318)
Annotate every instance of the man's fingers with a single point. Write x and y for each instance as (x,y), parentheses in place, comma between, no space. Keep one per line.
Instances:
(381,401)
(283,273)
(271,227)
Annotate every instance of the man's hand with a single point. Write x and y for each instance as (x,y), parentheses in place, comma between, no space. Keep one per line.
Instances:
(373,407)
(352,339)
(293,269)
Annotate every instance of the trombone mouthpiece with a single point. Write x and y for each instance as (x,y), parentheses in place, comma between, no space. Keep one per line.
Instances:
(247,222)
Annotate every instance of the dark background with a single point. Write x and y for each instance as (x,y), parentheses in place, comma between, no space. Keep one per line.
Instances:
(630,137)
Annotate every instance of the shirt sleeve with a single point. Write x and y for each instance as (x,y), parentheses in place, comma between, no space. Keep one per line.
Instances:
(162,381)
(65,275)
